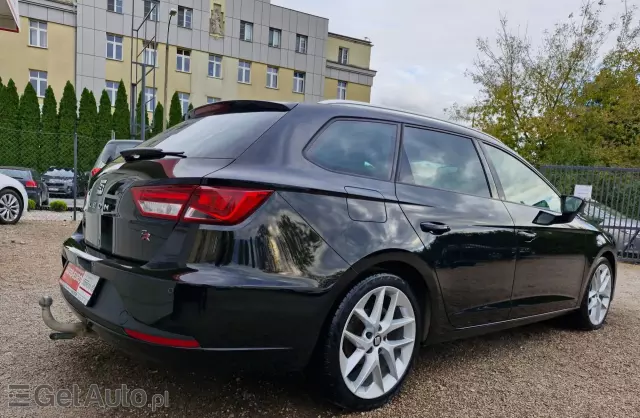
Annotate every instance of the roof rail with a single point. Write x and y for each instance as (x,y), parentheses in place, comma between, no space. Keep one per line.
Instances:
(395,109)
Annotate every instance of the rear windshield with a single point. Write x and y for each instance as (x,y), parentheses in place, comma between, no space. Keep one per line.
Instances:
(16,174)
(113,150)
(218,136)
(59,172)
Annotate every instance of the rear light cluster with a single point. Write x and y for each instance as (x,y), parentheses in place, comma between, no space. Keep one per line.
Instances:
(95,170)
(31,184)
(201,204)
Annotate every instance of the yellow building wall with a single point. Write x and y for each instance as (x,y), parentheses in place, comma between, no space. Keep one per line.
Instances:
(359,54)
(58,59)
(258,87)
(357,92)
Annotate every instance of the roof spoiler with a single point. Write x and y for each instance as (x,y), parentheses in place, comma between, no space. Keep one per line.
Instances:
(238,106)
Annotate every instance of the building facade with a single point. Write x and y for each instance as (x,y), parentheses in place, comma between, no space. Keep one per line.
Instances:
(218,50)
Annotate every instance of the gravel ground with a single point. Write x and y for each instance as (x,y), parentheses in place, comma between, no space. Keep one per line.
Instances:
(540,370)
(49,215)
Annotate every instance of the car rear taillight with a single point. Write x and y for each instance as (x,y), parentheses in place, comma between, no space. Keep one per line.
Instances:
(30,184)
(201,204)
(95,171)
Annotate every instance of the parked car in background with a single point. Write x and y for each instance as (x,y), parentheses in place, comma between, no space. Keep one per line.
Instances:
(111,151)
(338,233)
(13,200)
(59,181)
(32,181)
(622,228)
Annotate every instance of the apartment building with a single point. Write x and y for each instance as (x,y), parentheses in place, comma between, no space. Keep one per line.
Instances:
(217,50)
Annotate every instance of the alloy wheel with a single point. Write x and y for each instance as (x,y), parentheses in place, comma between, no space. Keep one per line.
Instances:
(599,296)
(9,207)
(377,342)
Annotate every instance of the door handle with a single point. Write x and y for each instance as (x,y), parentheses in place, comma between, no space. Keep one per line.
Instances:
(436,228)
(529,235)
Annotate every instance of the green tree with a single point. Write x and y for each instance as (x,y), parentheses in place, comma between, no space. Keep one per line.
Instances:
(137,118)
(190,108)
(28,136)
(121,122)
(67,116)
(87,115)
(49,129)
(104,120)
(157,120)
(9,123)
(175,111)
(535,97)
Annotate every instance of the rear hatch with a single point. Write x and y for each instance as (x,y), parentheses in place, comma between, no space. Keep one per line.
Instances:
(21,175)
(134,203)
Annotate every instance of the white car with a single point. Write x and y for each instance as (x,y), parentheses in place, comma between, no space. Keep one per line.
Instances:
(13,200)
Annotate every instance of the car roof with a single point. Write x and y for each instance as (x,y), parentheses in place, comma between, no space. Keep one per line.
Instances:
(410,117)
(124,141)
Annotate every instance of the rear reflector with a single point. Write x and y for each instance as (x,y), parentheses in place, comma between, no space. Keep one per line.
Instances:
(201,204)
(169,342)
(30,184)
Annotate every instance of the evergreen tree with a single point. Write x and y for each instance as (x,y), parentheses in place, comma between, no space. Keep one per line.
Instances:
(175,111)
(67,116)
(157,120)
(121,115)
(49,129)
(190,108)
(1,90)
(87,115)
(146,119)
(28,138)
(103,122)
(8,123)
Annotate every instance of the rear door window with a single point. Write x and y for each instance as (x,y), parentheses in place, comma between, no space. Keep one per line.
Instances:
(363,148)
(218,136)
(441,160)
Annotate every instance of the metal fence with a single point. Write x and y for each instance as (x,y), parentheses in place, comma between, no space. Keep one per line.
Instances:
(613,196)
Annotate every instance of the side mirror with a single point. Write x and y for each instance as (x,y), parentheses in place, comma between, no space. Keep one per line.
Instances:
(570,207)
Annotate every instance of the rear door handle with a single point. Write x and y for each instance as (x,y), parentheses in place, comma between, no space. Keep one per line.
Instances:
(529,235)
(436,228)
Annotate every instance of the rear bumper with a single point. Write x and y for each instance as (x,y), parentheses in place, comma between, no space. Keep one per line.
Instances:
(250,328)
(33,194)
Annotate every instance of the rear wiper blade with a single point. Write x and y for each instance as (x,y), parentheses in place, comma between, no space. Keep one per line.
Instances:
(135,154)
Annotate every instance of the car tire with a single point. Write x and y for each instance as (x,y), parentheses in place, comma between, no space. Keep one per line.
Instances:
(596,302)
(7,196)
(45,200)
(356,368)
(39,201)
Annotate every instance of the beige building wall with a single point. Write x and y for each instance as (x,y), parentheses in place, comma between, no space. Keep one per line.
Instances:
(359,53)
(58,59)
(355,91)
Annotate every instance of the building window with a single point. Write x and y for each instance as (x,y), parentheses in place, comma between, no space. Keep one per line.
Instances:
(246,31)
(151,9)
(215,66)
(343,56)
(38,33)
(150,98)
(114,6)
(212,100)
(342,90)
(275,37)
(272,77)
(114,47)
(38,80)
(301,44)
(244,72)
(150,54)
(183,60)
(112,91)
(184,102)
(185,17)
(298,82)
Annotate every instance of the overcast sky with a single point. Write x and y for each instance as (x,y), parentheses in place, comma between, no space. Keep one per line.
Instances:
(422,47)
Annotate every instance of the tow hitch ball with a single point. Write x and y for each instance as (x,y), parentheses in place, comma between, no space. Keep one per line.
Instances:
(64,330)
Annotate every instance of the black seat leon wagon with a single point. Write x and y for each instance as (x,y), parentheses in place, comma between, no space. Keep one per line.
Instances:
(338,234)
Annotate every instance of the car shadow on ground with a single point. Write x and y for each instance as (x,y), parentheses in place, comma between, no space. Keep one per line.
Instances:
(240,393)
